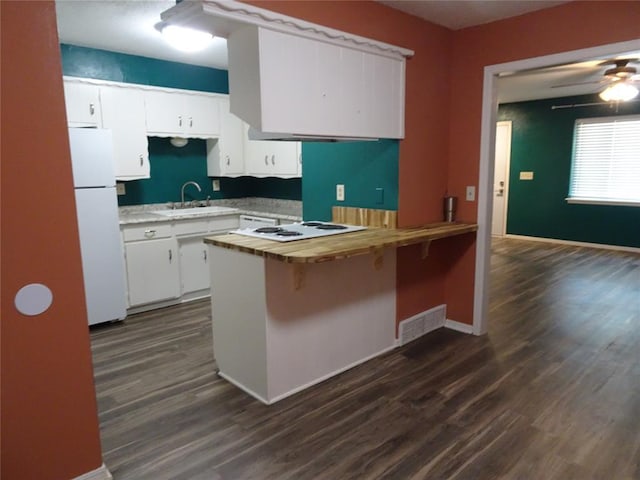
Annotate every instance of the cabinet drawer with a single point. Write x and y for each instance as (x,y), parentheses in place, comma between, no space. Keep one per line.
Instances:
(191,227)
(147,232)
(230,222)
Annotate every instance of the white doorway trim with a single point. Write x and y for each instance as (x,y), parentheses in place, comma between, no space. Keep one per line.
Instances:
(487,154)
(503,142)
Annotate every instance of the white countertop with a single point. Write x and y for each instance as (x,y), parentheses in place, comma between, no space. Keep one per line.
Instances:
(287,210)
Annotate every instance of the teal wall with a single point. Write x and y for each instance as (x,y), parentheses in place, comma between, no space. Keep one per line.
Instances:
(171,166)
(119,67)
(362,167)
(542,142)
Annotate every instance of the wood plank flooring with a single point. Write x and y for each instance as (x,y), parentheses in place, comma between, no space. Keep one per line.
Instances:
(552,392)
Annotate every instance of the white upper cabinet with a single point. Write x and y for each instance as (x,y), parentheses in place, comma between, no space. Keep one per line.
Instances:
(182,114)
(83,104)
(265,158)
(225,155)
(285,83)
(123,114)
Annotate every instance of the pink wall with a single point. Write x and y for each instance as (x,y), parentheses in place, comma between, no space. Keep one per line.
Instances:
(571,26)
(49,420)
(424,150)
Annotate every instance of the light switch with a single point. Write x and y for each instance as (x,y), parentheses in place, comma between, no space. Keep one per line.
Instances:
(526,175)
(379,195)
(120,190)
(215,184)
(340,193)
(471,193)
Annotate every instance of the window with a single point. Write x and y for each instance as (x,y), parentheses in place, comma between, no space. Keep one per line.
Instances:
(606,161)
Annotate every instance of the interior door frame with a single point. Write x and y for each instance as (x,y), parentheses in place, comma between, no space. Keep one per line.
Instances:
(487,159)
(507,169)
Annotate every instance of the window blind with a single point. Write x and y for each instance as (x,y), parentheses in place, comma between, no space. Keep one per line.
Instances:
(606,160)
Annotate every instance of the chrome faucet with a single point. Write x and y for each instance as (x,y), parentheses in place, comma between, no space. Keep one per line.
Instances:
(182,191)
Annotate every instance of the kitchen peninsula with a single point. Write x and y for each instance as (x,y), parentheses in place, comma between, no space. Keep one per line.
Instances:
(289,315)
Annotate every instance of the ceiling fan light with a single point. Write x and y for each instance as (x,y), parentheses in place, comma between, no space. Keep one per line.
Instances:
(619,92)
(186,39)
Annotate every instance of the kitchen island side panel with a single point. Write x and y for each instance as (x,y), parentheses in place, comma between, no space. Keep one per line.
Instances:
(342,315)
(238,306)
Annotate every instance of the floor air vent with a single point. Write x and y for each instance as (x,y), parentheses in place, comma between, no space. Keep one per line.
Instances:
(422,323)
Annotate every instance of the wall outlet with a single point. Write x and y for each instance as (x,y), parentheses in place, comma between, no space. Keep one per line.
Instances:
(526,175)
(215,185)
(120,190)
(471,193)
(340,192)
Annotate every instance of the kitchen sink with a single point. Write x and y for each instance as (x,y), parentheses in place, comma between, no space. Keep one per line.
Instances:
(183,212)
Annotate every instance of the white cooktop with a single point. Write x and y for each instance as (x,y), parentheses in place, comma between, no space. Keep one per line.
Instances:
(305,229)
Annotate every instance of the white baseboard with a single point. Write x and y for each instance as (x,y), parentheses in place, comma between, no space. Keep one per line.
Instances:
(101,473)
(575,244)
(458,326)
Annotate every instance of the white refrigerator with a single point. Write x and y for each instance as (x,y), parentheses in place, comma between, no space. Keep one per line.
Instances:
(98,224)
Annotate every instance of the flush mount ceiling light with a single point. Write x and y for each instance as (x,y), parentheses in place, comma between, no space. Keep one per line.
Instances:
(619,92)
(183,38)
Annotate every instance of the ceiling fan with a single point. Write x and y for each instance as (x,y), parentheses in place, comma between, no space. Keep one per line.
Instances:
(620,79)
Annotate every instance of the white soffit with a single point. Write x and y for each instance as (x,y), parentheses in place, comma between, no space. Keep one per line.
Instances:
(222,17)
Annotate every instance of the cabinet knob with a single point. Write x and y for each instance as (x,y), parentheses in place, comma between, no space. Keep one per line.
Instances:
(266,159)
(179,120)
(204,255)
(273,159)
(149,233)
(170,255)
(92,109)
(141,160)
(228,160)
(190,121)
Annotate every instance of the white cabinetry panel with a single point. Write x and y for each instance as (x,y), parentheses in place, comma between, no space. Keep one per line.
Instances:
(152,271)
(123,114)
(271,158)
(225,155)
(82,102)
(181,114)
(194,266)
(318,88)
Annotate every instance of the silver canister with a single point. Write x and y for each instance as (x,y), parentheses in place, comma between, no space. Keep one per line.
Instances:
(450,205)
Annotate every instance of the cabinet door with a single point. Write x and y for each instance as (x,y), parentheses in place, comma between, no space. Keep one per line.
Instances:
(164,113)
(201,116)
(257,155)
(194,267)
(284,159)
(83,104)
(225,155)
(123,114)
(152,271)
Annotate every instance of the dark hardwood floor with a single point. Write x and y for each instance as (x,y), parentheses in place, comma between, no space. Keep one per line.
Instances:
(552,392)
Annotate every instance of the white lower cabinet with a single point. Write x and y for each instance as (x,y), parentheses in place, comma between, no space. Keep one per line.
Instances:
(153,271)
(194,266)
(167,262)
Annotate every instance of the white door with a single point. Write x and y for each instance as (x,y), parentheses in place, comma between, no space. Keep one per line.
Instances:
(501,178)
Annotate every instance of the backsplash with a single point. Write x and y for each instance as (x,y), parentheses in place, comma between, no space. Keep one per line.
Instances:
(252,205)
(171,167)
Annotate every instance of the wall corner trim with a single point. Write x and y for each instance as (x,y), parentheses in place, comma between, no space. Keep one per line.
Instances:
(458,326)
(100,473)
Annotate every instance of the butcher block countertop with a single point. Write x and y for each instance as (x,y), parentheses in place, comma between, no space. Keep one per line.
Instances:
(334,247)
